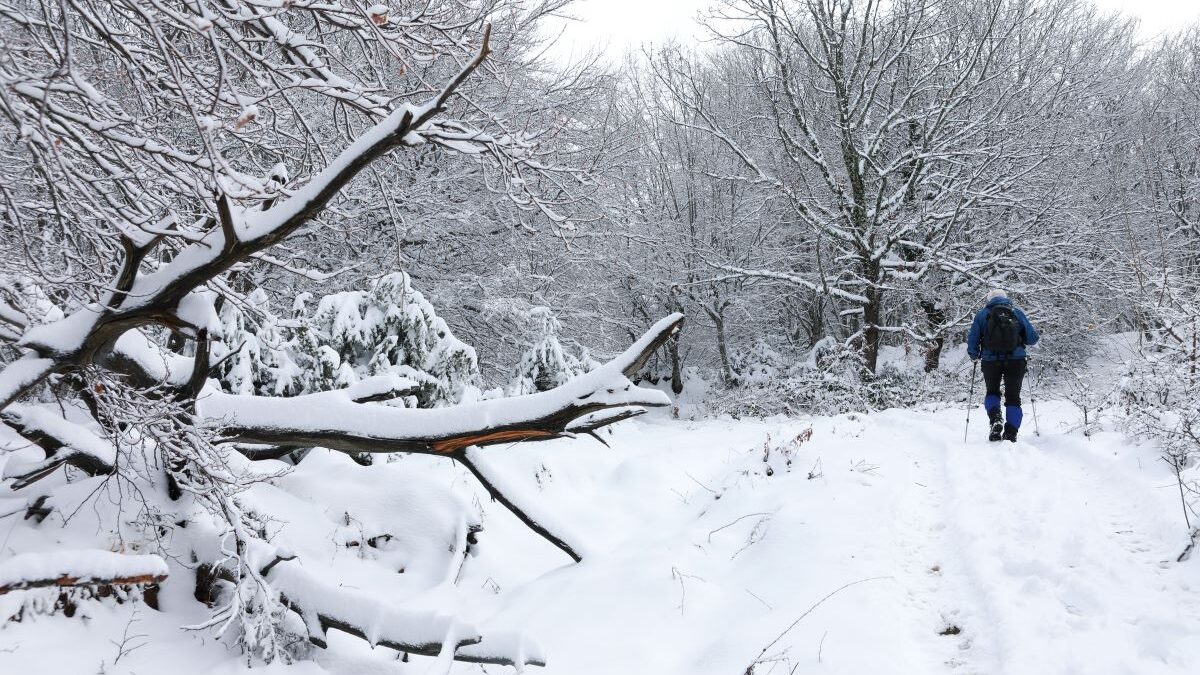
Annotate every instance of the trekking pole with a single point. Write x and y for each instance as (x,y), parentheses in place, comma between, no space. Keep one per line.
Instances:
(970,398)
(1037,431)
(1037,383)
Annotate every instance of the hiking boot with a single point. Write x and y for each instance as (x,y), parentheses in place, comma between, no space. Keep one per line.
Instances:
(997,422)
(997,431)
(1010,433)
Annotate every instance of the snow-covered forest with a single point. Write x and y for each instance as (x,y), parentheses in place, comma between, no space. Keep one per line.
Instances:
(352,337)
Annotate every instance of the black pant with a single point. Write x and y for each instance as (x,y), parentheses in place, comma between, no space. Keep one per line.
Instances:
(1012,372)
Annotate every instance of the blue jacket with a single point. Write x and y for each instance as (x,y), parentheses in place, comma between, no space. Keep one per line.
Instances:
(975,337)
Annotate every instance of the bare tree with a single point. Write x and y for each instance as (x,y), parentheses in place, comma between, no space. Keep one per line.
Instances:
(890,129)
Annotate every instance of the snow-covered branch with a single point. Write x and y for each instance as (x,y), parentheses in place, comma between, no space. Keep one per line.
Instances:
(90,333)
(63,442)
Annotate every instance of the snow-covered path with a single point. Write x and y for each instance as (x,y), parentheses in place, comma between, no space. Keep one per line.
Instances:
(1070,547)
(848,545)
(1047,556)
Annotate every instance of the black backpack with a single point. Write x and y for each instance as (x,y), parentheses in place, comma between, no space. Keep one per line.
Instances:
(1002,333)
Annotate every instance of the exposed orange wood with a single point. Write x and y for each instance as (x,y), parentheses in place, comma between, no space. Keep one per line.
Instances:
(450,445)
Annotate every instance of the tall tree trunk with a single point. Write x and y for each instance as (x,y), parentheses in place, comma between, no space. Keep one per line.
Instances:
(718,318)
(872,313)
(935,316)
(676,365)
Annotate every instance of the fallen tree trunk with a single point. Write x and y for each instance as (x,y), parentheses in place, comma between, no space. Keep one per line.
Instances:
(79,568)
(340,420)
(335,420)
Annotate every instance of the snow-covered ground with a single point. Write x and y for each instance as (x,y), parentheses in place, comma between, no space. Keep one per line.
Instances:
(874,544)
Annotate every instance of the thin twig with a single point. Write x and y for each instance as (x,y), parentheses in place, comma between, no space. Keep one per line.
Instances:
(735,522)
(772,643)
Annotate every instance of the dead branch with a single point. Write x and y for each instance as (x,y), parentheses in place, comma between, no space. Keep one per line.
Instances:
(528,520)
(810,610)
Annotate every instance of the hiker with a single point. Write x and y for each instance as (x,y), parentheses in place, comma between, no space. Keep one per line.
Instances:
(999,335)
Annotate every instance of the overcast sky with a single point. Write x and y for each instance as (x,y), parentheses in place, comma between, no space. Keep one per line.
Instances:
(618,24)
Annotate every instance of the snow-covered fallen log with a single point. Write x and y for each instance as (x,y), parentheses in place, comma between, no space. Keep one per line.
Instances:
(323,606)
(79,568)
(339,421)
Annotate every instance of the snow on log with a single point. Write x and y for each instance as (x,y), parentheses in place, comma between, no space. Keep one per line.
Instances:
(79,568)
(334,420)
(10,506)
(323,606)
(65,335)
(63,442)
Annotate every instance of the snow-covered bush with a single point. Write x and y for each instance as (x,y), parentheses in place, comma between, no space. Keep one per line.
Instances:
(245,365)
(393,329)
(759,363)
(390,329)
(830,379)
(1161,396)
(546,364)
(1163,405)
